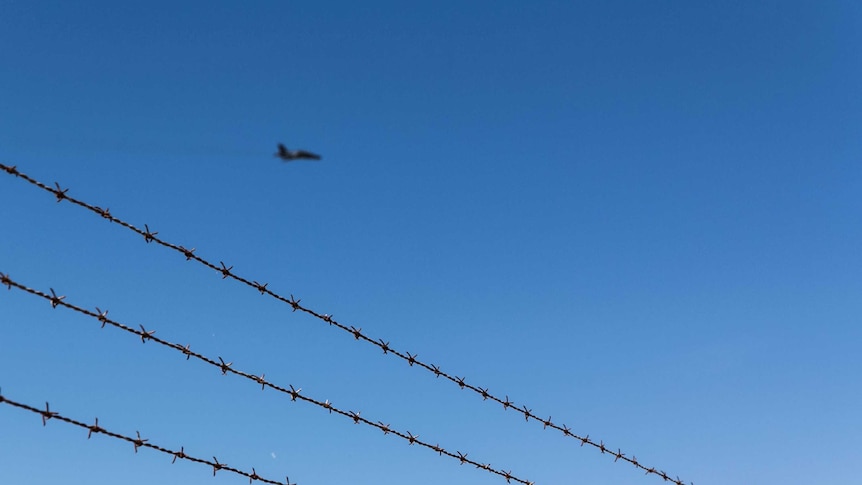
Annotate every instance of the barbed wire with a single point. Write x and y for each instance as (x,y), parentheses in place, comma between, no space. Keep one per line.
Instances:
(411,359)
(139,442)
(225,368)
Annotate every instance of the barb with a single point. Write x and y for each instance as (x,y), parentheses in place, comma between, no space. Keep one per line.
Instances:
(138,442)
(356,333)
(226,368)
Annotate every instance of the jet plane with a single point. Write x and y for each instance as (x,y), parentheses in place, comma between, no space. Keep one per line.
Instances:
(291,155)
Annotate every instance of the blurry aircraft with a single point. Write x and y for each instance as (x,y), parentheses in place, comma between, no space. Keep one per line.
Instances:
(291,155)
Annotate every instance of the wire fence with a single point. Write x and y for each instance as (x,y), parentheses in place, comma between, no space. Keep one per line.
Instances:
(412,359)
(139,442)
(226,368)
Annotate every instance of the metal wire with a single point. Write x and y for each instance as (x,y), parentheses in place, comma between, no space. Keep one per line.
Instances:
(226,368)
(411,359)
(139,442)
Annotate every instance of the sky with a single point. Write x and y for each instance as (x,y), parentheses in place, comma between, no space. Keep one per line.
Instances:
(641,219)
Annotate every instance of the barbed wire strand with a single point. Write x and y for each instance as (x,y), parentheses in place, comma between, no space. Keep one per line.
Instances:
(225,368)
(139,442)
(411,359)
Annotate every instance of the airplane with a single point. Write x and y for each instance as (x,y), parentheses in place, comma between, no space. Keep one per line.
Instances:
(291,155)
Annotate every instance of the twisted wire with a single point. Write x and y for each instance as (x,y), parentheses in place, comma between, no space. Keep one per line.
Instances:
(226,368)
(411,359)
(139,442)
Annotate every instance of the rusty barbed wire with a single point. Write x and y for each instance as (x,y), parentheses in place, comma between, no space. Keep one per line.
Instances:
(225,368)
(411,359)
(139,442)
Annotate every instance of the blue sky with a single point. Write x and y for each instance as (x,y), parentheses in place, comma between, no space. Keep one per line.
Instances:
(641,219)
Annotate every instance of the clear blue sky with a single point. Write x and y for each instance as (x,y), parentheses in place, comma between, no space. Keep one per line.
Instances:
(640,218)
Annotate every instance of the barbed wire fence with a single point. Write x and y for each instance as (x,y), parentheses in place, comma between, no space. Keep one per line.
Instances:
(226,272)
(139,442)
(226,368)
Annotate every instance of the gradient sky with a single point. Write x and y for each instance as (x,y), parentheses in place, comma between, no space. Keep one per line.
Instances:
(639,218)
